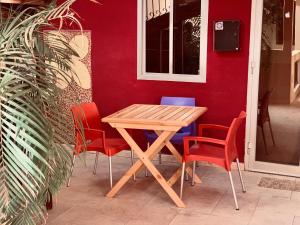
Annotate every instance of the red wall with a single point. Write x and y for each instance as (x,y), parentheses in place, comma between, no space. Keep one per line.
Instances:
(114,62)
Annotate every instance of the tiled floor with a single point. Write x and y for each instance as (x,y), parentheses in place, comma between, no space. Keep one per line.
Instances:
(144,202)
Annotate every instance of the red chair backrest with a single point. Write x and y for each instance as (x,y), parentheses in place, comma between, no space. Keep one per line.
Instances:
(231,149)
(86,115)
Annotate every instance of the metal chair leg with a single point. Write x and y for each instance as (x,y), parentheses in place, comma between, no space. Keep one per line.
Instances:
(96,163)
(186,176)
(146,171)
(110,172)
(233,191)
(182,179)
(160,158)
(271,133)
(264,138)
(71,171)
(132,162)
(197,163)
(241,177)
(193,176)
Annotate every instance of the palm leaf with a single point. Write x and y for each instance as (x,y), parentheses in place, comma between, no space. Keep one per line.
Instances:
(34,156)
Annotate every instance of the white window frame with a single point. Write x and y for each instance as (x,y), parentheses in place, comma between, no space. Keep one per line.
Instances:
(141,53)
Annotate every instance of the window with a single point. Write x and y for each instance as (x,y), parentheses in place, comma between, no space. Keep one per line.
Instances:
(172,40)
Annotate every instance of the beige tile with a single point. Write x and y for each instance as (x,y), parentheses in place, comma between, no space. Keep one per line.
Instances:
(247,204)
(273,205)
(182,219)
(295,196)
(202,197)
(269,192)
(157,215)
(261,218)
(206,220)
(92,220)
(89,216)
(147,222)
(142,190)
(144,202)
(296,220)
(127,208)
(161,205)
(58,210)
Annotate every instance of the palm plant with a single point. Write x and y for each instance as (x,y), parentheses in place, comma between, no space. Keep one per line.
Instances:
(34,157)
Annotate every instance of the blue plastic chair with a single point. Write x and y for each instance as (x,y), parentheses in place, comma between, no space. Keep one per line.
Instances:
(185,131)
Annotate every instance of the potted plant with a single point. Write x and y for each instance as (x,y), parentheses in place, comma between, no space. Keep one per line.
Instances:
(34,157)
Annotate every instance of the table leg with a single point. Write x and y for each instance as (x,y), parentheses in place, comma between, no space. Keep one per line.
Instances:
(178,157)
(177,175)
(157,145)
(164,137)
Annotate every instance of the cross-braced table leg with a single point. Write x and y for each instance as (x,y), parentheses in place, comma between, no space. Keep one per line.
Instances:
(178,157)
(145,159)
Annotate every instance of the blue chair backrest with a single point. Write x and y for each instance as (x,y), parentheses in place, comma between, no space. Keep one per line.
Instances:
(180,101)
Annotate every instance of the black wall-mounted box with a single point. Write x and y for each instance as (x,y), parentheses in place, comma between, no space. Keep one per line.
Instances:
(227,35)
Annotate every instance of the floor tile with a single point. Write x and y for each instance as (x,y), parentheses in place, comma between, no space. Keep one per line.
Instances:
(273,205)
(202,197)
(206,220)
(143,202)
(87,215)
(296,220)
(247,205)
(271,218)
(295,195)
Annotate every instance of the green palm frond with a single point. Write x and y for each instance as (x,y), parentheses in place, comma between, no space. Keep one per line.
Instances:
(34,158)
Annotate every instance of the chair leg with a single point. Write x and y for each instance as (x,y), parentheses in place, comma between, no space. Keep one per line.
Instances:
(193,177)
(96,163)
(146,171)
(182,179)
(241,177)
(233,191)
(272,133)
(160,158)
(186,176)
(110,172)
(197,163)
(71,171)
(264,138)
(132,162)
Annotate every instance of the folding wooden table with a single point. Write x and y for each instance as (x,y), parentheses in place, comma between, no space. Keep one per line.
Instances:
(165,121)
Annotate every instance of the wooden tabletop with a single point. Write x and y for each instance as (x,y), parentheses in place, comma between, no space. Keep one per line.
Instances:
(162,115)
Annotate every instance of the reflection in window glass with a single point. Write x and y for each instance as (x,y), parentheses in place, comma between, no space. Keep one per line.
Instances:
(157,36)
(273,11)
(186,43)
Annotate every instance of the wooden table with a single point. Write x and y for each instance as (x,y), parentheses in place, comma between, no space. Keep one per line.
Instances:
(166,121)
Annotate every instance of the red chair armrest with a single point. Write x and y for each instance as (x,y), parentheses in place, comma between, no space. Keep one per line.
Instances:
(187,140)
(211,127)
(94,131)
(91,134)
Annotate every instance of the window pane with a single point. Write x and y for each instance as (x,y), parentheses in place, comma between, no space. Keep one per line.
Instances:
(157,36)
(186,43)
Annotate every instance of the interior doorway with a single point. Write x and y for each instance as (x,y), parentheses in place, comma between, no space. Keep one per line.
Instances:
(273,125)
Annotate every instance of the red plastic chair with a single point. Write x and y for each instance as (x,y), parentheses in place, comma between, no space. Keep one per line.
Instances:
(216,151)
(90,137)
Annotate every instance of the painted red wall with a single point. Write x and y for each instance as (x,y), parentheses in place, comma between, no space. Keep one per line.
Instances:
(114,62)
